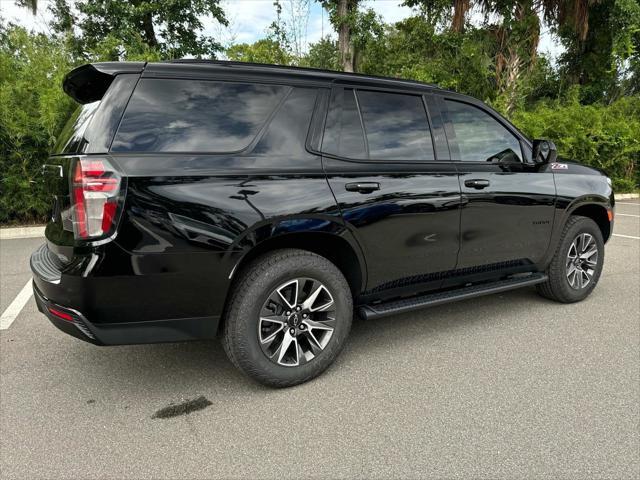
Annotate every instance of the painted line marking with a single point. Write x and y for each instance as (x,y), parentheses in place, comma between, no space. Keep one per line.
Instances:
(627,215)
(627,203)
(626,236)
(16,306)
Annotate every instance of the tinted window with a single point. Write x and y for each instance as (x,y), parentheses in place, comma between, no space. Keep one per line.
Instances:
(396,126)
(480,137)
(71,138)
(343,134)
(286,134)
(195,116)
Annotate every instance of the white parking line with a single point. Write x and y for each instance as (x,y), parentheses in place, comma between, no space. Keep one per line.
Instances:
(16,306)
(626,236)
(626,215)
(627,203)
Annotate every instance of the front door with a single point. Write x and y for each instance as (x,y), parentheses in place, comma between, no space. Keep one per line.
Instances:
(508,201)
(398,198)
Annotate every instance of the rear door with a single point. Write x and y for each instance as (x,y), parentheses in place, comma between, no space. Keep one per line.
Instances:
(508,210)
(389,170)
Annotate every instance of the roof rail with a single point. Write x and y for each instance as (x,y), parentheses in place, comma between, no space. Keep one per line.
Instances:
(300,69)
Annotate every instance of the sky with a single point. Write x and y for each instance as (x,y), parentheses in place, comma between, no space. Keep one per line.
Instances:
(249,20)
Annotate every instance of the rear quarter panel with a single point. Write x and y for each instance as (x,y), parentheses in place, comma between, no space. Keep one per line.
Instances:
(184,232)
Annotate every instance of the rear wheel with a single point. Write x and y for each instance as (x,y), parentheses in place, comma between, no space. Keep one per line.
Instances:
(577,263)
(288,317)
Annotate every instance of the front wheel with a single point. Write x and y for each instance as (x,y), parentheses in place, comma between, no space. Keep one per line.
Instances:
(288,317)
(577,264)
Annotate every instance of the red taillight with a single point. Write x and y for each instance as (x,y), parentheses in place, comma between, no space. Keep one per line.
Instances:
(95,189)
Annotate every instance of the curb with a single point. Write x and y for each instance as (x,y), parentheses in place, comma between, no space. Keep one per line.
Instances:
(10,233)
(626,196)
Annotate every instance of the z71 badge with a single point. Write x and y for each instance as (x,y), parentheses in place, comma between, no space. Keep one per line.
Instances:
(559,166)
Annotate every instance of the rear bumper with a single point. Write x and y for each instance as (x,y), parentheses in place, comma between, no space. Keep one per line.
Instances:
(74,324)
(67,300)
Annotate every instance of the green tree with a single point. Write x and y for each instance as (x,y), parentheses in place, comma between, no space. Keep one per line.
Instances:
(356,30)
(413,48)
(602,41)
(267,50)
(173,28)
(343,17)
(33,109)
(322,54)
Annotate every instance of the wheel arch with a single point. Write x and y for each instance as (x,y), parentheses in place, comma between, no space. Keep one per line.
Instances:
(598,212)
(333,246)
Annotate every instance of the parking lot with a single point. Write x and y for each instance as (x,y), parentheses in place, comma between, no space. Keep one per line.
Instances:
(509,385)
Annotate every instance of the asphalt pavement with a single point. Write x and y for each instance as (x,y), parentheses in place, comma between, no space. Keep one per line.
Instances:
(504,386)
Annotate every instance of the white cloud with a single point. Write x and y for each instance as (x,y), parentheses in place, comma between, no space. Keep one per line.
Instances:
(10,12)
(391,11)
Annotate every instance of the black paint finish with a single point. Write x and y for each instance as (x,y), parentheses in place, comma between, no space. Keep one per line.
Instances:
(192,220)
(408,227)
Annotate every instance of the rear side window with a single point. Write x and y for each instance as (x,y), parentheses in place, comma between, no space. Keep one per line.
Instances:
(195,116)
(396,126)
(479,136)
(377,126)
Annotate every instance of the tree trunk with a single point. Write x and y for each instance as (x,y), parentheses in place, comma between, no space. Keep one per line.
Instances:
(149,32)
(344,36)
(460,9)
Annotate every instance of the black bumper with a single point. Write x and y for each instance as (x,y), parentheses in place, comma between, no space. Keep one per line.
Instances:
(73,322)
(65,299)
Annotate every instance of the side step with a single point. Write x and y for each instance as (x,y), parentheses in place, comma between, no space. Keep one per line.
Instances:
(368,312)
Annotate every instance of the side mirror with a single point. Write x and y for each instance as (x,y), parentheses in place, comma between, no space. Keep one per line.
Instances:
(544,151)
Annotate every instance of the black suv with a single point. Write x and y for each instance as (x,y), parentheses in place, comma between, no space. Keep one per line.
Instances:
(266,204)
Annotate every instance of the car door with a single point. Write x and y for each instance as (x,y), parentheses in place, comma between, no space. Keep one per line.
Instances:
(398,195)
(508,200)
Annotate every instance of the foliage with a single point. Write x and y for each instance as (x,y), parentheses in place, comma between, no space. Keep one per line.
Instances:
(600,62)
(588,102)
(413,49)
(263,51)
(33,109)
(322,54)
(173,28)
(607,137)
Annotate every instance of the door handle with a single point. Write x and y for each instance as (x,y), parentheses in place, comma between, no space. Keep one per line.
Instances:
(478,184)
(362,187)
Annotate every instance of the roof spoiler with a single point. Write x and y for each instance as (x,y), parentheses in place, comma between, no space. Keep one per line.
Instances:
(89,83)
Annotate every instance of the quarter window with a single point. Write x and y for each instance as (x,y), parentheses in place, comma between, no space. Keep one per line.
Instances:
(479,136)
(195,116)
(343,134)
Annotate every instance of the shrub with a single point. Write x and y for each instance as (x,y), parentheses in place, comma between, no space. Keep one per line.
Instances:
(33,109)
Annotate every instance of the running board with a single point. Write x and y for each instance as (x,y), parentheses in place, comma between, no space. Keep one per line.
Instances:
(368,312)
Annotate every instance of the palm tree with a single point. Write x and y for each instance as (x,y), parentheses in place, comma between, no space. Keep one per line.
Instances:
(460,9)
(573,13)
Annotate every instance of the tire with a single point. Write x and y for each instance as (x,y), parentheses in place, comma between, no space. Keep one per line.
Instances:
(569,285)
(263,333)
